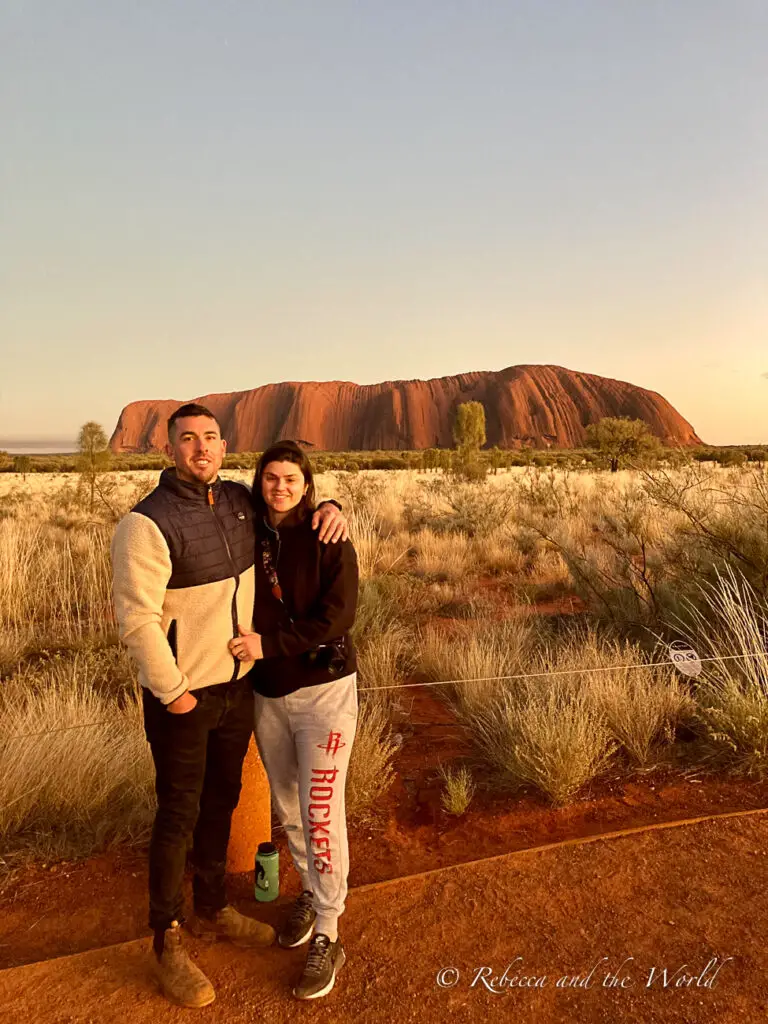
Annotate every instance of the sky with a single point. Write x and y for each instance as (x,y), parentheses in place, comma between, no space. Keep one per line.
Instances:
(199,197)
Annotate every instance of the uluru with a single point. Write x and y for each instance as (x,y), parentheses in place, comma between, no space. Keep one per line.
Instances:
(530,405)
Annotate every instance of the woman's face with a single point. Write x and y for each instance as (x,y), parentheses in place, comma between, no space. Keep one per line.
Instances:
(282,486)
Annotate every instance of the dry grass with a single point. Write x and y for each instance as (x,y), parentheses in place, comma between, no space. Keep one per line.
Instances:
(69,785)
(384,661)
(370,768)
(499,553)
(54,583)
(477,654)
(732,697)
(441,556)
(458,790)
(686,546)
(640,707)
(558,729)
(549,736)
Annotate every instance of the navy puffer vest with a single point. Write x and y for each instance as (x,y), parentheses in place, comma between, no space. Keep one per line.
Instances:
(208,528)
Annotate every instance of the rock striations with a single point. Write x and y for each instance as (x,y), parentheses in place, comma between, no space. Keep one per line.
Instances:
(542,406)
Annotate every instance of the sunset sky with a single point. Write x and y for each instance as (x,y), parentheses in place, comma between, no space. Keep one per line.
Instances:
(201,197)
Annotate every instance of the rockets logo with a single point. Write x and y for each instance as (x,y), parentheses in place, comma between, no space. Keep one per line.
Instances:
(320,836)
(333,744)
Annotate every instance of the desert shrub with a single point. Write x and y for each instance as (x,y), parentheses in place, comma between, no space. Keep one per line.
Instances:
(731,457)
(638,545)
(722,519)
(475,509)
(389,462)
(470,470)
(359,491)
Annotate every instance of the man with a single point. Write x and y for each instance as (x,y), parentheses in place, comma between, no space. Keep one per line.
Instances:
(183,563)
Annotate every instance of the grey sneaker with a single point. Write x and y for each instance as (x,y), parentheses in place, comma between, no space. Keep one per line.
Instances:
(298,928)
(324,960)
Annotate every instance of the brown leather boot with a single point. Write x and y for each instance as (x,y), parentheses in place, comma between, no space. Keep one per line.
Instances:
(180,980)
(236,927)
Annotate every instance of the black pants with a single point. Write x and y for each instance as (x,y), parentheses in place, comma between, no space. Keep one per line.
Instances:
(198,764)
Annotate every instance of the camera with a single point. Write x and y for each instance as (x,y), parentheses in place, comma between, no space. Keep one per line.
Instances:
(331,656)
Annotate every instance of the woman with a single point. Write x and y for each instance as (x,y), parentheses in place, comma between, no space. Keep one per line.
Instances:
(306,697)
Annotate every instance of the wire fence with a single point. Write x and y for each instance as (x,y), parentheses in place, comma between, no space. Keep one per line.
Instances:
(674,662)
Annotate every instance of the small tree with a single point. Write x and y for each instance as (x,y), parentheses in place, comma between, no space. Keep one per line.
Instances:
(444,459)
(93,456)
(469,426)
(619,439)
(730,457)
(496,459)
(469,435)
(22,464)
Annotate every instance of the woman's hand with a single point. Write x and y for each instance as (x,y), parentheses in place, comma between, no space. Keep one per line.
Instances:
(332,523)
(246,647)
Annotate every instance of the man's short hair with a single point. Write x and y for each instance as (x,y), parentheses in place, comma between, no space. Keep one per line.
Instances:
(190,409)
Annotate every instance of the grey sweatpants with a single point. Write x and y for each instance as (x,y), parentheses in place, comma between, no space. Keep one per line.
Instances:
(305,740)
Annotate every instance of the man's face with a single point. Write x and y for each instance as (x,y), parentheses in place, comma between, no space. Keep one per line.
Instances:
(197,448)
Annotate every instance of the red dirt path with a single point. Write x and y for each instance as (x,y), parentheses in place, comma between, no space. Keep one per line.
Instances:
(674,899)
(72,907)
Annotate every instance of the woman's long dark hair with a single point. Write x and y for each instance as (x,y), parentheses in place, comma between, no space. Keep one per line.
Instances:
(284,451)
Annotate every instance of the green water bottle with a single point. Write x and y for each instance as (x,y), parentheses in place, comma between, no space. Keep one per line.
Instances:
(267,885)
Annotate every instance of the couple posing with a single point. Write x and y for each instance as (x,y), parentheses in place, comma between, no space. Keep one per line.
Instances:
(237,606)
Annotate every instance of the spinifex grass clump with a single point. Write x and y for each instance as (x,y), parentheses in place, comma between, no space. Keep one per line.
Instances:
(732,696)
(76,768)
(547,734)
(458,790)
(443,556)
(580,705)
(383,661)
(54,584)
(477,654)
(641,706)
(370,768)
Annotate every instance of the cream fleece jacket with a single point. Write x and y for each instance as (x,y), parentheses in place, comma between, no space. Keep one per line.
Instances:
(202,615)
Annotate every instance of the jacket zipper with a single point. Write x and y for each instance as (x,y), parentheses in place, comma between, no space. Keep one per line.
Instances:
(220,528)
(277,534)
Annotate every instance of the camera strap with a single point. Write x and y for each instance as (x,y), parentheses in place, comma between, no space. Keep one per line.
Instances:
(271,571)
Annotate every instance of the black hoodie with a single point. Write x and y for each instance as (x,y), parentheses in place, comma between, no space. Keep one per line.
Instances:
(319,597)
